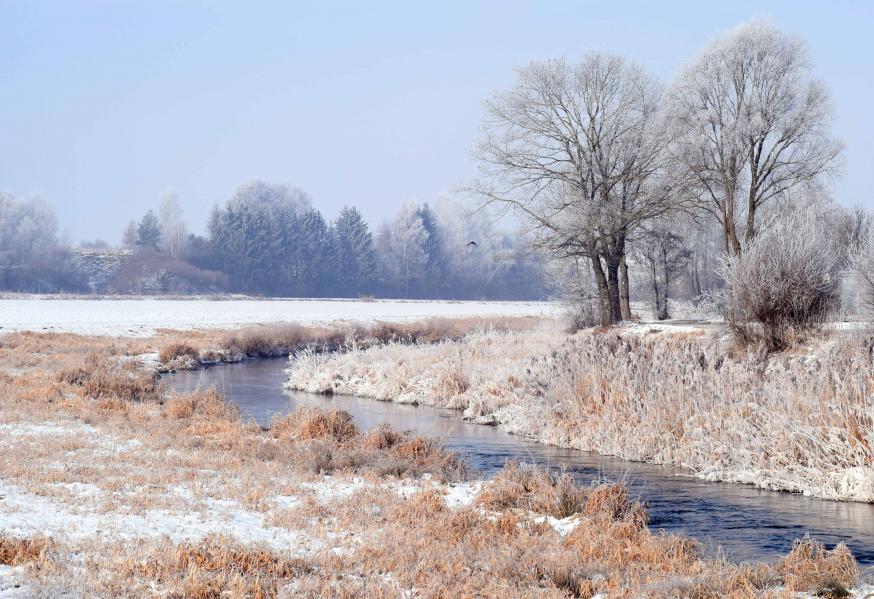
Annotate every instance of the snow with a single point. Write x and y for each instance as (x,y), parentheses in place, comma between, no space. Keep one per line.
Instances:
(26,514)
(11,586)
(461,494)
(140,317)
(562,526)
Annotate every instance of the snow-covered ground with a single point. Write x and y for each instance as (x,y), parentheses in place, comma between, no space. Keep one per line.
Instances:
(129,317)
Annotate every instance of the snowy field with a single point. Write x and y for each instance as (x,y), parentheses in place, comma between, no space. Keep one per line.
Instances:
(140,317)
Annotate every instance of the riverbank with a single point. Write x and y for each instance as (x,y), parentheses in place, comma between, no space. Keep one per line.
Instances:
(797,422)
(111,487)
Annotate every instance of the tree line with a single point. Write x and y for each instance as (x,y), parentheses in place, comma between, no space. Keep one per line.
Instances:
(269,240)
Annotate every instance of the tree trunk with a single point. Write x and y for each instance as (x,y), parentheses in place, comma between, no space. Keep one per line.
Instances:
(603,291)
(613,286)
(624,291)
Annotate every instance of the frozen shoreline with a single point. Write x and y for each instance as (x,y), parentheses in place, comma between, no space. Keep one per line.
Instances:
(142,316)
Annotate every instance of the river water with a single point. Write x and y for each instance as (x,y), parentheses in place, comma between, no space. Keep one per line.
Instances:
(741,522)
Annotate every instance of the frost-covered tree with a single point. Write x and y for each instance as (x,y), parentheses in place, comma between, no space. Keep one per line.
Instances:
(32,257)
(130,236)
(575,149)
(174,232)
(402,251)
(663,255)
(355,257)
(748,123)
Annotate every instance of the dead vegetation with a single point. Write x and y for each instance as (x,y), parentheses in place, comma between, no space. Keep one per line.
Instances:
(282,339)
(15,551)
(797,421)
(131,451)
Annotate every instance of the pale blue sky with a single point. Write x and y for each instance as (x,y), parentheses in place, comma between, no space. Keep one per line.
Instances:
(105,104)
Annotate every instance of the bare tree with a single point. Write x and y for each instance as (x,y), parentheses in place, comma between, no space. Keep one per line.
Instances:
(174,233)
(663,256)
(574,149)
(748,123)
(401,244)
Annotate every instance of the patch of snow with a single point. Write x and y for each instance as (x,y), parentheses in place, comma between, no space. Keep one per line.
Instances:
(52,429)
(461,494)
(11,585)
(562,526)
(330,489)
(141,317)
(26,515)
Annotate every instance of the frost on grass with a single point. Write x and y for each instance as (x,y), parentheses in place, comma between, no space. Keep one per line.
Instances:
(795,421)
(112,488)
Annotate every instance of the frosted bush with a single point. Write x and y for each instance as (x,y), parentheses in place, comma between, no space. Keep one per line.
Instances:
(784,283)
(862,264)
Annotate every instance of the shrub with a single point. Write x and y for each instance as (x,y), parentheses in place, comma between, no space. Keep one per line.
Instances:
(783,284)
(862,264)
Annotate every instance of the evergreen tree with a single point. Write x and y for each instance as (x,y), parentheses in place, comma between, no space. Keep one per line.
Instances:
(355,258)
(435,263)
(149,231)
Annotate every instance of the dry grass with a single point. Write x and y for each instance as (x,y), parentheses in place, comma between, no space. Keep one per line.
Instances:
(177,349)
(242,512)
(795,421)
(311,423)
(17,552)
(215,567)
(527,487)
(811,566)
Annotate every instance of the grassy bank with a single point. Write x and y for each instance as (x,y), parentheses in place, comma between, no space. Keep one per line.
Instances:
(798,422)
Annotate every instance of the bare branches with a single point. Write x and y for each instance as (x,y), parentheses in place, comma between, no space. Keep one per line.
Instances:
(749,124)
(575,149)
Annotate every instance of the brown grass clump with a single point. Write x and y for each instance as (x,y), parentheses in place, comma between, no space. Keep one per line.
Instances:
(203,403)
(310,423)
(810,566)
(217,567)
(381,437)
(527,487)
(611,501)
(281,339)
(16,552)
(96,380)
(177,349)
(420,507)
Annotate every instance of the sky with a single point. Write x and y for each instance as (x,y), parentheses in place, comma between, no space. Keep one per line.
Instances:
(105,105)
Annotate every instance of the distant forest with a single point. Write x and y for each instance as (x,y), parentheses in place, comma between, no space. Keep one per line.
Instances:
(269,240)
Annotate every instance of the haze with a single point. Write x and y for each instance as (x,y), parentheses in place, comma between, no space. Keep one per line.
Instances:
(106,104)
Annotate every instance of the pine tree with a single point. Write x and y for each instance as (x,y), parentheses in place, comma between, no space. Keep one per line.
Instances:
(355,258)
(149,231)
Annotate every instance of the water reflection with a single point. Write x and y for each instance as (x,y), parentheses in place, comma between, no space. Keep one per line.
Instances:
(745,523)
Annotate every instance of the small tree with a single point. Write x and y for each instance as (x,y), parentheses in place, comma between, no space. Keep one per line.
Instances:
(149,231)
(174,233)
(663,255)
(784,283)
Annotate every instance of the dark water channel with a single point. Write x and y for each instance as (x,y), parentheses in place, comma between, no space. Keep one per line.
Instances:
(743,522)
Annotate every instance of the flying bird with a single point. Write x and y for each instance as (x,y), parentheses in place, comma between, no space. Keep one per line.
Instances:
(473,243)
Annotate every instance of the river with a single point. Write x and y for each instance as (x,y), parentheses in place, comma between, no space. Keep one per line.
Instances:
(741,522)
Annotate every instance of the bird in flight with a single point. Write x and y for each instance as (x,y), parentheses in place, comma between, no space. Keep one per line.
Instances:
(473,243)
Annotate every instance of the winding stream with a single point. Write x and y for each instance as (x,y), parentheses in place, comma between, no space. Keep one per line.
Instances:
(742,522)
